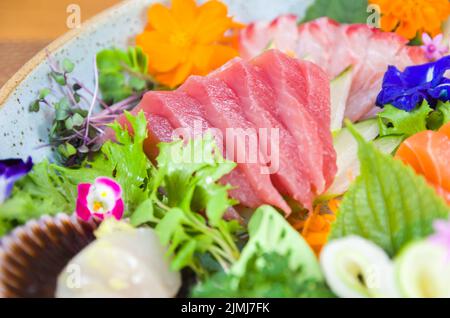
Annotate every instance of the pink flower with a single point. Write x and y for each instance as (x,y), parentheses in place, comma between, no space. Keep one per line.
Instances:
(99,200)
(281,33)
(442,234)
(434,48)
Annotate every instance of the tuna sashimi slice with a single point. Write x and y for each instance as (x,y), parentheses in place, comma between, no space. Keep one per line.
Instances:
(182,111)
(256,98)
(291,98)
(319,106)
(241,141)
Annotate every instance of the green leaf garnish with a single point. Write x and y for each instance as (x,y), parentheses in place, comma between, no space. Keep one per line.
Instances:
(388,203)
(122,73)
(270,231)
(44,93)
(444,109)
(276,262)
(343,11)
(394,121)
(67,65)
(59,78)
(267,275)
(184,184)
(34,106)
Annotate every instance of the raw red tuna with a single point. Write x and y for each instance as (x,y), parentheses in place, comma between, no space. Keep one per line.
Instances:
(222,110)
(291,91)
(256,98)
(182,111)
(318,105)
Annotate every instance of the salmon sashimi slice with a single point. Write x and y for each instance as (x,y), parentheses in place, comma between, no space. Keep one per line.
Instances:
(291,98)
(256,98)
(184,112)
(427,153)
(222,110)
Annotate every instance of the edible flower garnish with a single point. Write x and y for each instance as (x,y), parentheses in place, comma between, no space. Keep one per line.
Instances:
(442,234)
(317,226)
(186,39)
(12,170)
(101,199)
(280,33)
(405,90)
(409,17)
(434,48)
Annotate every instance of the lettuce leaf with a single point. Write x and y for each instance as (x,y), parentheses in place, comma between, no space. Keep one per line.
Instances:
(444,109)
(184,184)
(388,203)
(394,121)
(343,11)
(42,191)
(123,160)
(50,189)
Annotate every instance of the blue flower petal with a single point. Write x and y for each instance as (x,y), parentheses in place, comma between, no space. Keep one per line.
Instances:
(12,170)
(405,90)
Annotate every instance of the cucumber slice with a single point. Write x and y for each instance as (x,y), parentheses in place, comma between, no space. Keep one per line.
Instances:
(422,270)
(347,155)
(356,268)
(339,89)
(388,144)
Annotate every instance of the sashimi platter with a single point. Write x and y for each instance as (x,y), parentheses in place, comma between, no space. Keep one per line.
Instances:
(232,149)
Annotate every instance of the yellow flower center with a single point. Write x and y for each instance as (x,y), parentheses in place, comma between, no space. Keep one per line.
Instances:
(180,39)
(97,206)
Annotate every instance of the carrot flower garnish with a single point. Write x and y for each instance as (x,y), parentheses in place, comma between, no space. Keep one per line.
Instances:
(410,17)
(187,39)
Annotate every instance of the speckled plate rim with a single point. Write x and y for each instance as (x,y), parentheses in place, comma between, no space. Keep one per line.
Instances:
(8,88)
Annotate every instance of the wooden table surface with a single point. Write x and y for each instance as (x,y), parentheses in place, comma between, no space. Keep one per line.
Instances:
(27,26)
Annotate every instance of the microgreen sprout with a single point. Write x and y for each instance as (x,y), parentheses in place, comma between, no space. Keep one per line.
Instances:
(82,114)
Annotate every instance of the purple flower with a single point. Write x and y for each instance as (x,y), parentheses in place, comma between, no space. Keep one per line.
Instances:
(406,90)
(434,48)
(99,200)
(12,170)
(442,234)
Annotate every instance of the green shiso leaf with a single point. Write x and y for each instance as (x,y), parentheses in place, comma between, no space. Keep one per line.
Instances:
(343,11)
(388,203)
(394,121)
